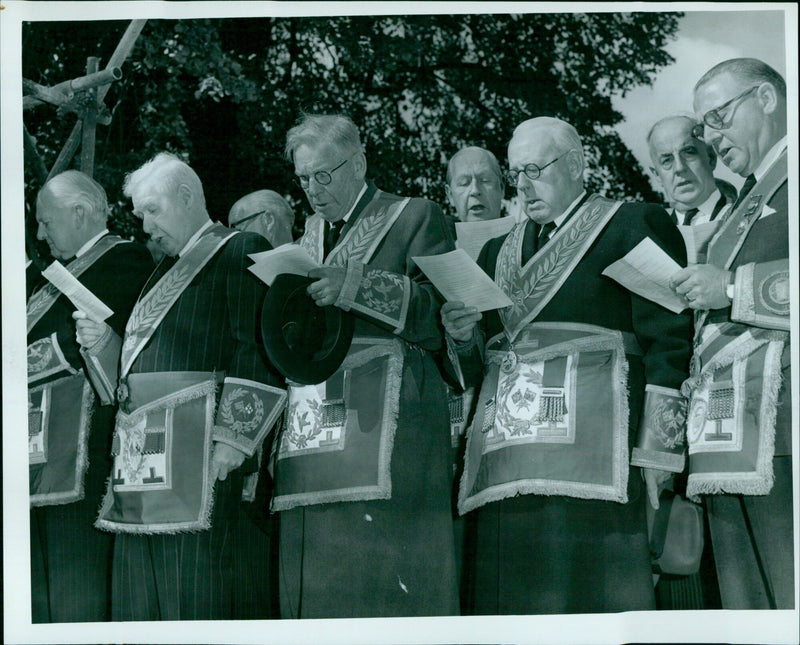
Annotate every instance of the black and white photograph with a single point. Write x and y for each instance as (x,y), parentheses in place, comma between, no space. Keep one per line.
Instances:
(400,322)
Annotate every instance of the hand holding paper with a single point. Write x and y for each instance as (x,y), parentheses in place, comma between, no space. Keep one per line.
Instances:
(83,299)
(646,270)
(459,278)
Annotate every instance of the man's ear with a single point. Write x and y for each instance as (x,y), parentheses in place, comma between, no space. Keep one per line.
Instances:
(449,194)
(185,195)
(360,165)
(80,217)
(575,164)
(768,96)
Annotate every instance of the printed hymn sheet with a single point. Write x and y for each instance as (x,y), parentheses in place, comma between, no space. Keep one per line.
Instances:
(83,299)
(646,270)
(287,258)
(458,277)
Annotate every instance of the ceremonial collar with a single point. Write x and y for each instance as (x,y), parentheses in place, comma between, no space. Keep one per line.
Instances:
(89,244)
(193,240)
(771,157)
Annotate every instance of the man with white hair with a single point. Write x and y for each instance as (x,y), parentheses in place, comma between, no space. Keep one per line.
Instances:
(740,430)
(264,212)
(570,373)
(69,429)
(180,451)
(363,474)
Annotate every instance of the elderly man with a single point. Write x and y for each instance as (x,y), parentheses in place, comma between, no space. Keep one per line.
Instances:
(684,165)
(474,184)
(264,212)
(569,372)
(69,433)
(365,522)
(739,429)
(179,458)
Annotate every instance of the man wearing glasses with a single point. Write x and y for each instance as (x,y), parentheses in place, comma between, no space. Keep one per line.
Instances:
(264,212)
(739,427)
(363,471)
(570,372)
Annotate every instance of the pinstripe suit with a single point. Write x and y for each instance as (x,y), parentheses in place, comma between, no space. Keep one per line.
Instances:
(214,325)
(70,559)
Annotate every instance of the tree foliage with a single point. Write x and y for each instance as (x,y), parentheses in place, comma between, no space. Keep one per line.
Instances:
(223,93)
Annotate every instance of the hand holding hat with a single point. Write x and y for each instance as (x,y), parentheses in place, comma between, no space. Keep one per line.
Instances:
(327,286)
(305,336)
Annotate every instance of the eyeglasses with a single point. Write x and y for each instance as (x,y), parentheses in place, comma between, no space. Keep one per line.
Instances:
(714,120)
(247,219)
(322,177)
(531,171)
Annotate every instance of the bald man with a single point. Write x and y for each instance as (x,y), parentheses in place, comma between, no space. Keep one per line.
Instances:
(264,212)
(69,438)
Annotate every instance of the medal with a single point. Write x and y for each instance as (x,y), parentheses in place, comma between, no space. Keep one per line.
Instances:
(509,362)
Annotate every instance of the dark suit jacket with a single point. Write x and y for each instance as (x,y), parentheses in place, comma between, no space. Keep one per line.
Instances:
(591,298)
(116,278)
(215,323)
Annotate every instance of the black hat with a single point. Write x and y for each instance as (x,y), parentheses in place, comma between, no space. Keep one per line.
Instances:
(305,342)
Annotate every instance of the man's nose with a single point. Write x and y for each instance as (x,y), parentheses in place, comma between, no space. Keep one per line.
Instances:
(525,184)
(147,224)
(474,187)
(712,137)
(680,164)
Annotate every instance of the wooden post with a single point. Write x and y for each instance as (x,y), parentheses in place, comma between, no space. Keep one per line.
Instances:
(122,52)
(89,121)
(36,161)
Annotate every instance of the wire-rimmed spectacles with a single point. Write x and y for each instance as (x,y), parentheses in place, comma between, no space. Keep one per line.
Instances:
(713,119)
(322,177)
(238,223)
(531,171)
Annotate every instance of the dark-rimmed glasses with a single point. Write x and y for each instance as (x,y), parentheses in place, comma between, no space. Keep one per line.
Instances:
(531,171)
(715,121)
(322,177)
(247,219)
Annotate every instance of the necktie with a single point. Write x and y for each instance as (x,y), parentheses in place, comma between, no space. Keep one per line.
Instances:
(332,235)
(746,188)
(544,234)
(687,218)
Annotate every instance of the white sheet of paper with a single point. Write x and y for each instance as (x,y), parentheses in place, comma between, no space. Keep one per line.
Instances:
(78,295)
(696,239)
(458,277)
(646,270)
(288,258)
(471,236)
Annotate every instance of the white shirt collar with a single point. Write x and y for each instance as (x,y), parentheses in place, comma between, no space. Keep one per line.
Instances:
(704,210)
(193,240)
(558,221)
(91,243)
(770,158)
(355,203)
